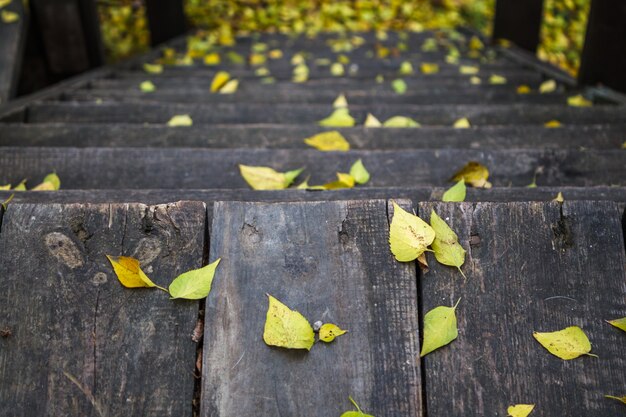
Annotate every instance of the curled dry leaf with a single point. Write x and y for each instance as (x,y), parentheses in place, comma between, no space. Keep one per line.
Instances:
(474,174)
(286,328)
(265,178)
(409,236)
(566,344)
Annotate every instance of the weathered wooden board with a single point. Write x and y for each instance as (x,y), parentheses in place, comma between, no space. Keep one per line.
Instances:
(331,262)
(530,267)
(80,343)
(292,136)
(12,41)
(188,168)
(514,114)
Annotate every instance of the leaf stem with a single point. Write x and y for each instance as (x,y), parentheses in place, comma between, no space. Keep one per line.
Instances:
(161,288)
(457,303)
(355,404)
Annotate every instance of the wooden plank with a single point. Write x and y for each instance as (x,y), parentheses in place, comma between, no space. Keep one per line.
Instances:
(12,41)
(188,168)
(166,20)
(231,113)
(519,22)
(339,270)
(80,343)
(292,136)
(530,267)
(603,59)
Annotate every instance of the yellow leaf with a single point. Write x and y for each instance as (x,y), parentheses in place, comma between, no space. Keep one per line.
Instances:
(300,73)
(180,120)
(343,181)
(476,44)
(523,89)
(579,101)
(409,236)
(340,102)
(21,186)
(257,59)
(359,173)
(559,198)
(286,328)
(265,178)
(328,141)
(129,273)
(619,323)
(9,16)
(399,86)
(195,284)
(7,201)
(51,182)
(275,54)
(304,185)
(474,174)
(567,344)
(212,59)
(339,118)
(400,121)
(463,123)
(406,68)
(468,70)
(497,79)
(372,121)
(357,413)
(230,87)
(456,193)
(622,399)
(147,87)
(552,124)
(153,68)
(381,79)
(261,72)
(297,59)
(337,70)
(547,86)
(429,68)
(520,410)
(4,3)
(329,331)
(5,187)
(440,328)
(343,59)
(475,80)
(220,79)
(446,245)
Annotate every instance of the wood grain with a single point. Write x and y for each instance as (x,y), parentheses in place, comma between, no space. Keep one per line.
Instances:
(80,343)
(530,267)
(331,262)
(12,40)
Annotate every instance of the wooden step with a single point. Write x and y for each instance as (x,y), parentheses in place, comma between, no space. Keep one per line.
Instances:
(188,168)
(292,137)
(229,113)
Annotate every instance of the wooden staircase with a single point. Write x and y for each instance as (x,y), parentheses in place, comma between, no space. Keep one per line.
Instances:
(76,342)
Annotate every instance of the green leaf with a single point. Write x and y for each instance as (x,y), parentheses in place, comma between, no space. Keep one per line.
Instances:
(357,413)
(446,245)
(195,284)
(456,193)
(339,118)
(400,121)
(619,323)
(399,86)
(147,87)
(359,173)
(440,328)
(180,120)
(153,68)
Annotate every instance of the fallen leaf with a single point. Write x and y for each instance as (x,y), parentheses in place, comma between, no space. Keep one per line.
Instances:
(372,121)
(579,101)
(496,79)
(476,44)
(195,284)
(559,198)
(409,236)
(446,245)
(7,201)
(153,68)
(547,86)
(359,173)
(129,273)
(147,87)
(340,102)
(300,73)
(406,68)
(328,332)
(440,328)
(219,80)
(475,80)
(456,193)
(180,120)
(286,328)
(257,59)
(567,344)
(523,89)
(619,323)
(399,86)
(357,413)
(429,68)
(265,178)
(4,3)
(474,174)
(297,59)
(400,121)
(339,118)
(328,141)
(5,187)
(275,54)
(520,410)
(261,72)
(212,59)
(337,70)
(304,185)
(343,181)
(21,186)
(235,58)
(381,79)
(9,16)
(552,124)
(468,70)
(463,123)
(622,399)
(230,87)
(51,182)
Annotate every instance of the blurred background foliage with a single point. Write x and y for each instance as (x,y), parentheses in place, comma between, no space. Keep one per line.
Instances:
(125,28)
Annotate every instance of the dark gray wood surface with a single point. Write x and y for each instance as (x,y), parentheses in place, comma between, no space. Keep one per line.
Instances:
(12,40)
(530,267)
(331,262)
(80,343)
